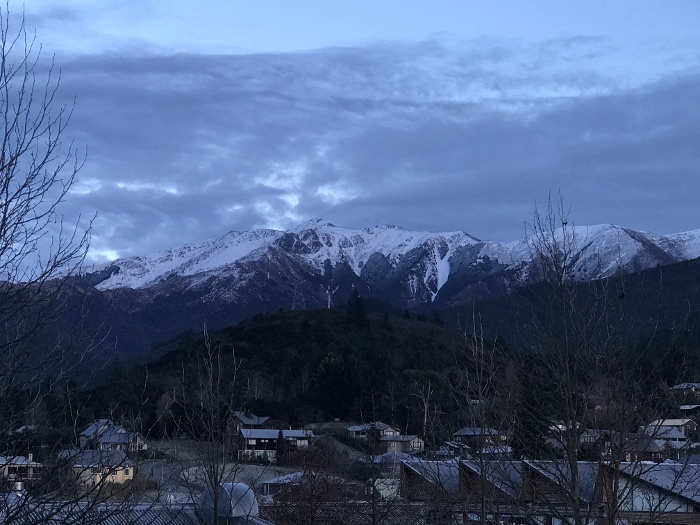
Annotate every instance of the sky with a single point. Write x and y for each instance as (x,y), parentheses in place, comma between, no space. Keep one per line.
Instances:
(447,115)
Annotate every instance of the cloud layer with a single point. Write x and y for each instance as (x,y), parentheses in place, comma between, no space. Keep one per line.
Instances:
(438,135)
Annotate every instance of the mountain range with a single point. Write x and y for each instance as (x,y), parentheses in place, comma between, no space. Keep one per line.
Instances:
(406,268)
(221,281)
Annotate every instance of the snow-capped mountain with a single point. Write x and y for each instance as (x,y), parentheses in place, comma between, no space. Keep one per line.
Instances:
(302,266)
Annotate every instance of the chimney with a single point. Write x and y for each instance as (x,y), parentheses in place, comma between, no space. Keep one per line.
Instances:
(30,457)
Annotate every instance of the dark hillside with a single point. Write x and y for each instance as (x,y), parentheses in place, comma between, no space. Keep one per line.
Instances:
(305,365)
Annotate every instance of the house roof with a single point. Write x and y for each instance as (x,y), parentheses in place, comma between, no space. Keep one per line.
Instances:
(298,477)
(664,432)
(389,458)
(559,472)
(271,433)
(506,476)
(476,431)
(293,477)
(679,422)
(405,439)
(684,386)
(677,478)
(689,407)
(96,428)
(248,418)
(116,434)
(55,512)
(19,461)
(497,449)
(444,474)
(367,426)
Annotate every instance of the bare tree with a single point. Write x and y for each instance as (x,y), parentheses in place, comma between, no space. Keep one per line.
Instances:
(584,391)
(42,337)
(37,170)
(202,401)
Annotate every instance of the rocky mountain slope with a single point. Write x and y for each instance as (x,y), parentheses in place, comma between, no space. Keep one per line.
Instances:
(300,268)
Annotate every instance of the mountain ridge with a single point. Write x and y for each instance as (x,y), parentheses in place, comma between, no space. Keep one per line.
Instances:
(412,267)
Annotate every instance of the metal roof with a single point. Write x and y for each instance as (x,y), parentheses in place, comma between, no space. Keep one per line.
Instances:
(272,433)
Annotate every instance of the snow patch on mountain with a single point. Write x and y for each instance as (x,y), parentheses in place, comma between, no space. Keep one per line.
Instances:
(420,260)
(190,259)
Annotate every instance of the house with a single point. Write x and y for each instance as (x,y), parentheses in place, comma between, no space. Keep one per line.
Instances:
(641,447)
(302,485)
(687,389)
(476,438)
(499,483)
(389,463)
(668,434)
(545,485)
(103,434)
(660,492)
(422,480)
(92,467)
(531,491)
(19,468)
(262,443)
(457,491)
(235,503)
(410,444)
(686,426)
(362,431)
(690,410)
(245,419)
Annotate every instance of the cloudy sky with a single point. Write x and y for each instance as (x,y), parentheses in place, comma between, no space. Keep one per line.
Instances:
(201,118)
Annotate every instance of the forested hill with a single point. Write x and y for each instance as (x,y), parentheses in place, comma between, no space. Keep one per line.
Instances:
(310,365)
(301,365)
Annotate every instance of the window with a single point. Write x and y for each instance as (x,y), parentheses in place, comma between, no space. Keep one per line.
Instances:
(127,472)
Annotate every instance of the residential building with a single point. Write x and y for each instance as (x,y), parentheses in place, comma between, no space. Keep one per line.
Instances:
(362,431)
(92,467)
(19,468)
(410,444)
(246,419)
(103,434)
(685,425)
(262,443)
(540,491)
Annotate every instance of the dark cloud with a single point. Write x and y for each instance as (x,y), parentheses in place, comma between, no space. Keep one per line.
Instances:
(427,136)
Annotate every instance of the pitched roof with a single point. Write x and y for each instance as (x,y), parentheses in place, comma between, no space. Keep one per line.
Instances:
(476,431)
(506,476)
(679,422)
(683,386)
(116,434)
(96,428)
(367,426)
(18,461)
(681,479)
(388,458)
(271,433)
(405,439)
(444,474)
(664,432)
(248,418)
(559,472)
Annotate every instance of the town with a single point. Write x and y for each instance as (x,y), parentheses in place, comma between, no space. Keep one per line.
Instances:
(288,475)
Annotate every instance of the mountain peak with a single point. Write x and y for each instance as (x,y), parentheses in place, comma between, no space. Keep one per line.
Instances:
(313,224)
